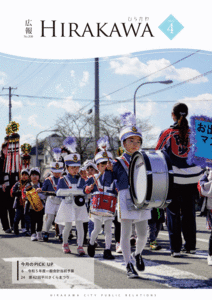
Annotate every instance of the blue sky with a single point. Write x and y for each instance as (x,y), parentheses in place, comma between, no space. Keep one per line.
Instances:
(73,82)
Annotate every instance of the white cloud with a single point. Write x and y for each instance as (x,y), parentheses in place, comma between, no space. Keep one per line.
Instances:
(3,76)
(59,88)
(123,109)
(15,104)
(18,118)
(106,96)
(197,106)
(27,138)
(30,103)
(146,109)
(85,79)
(32,121)
(72,73)
(133,66)
(68,104)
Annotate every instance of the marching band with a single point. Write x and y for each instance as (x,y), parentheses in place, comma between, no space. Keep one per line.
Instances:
(97,192)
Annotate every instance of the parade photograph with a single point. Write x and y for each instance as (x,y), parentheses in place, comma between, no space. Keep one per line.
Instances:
(106,171)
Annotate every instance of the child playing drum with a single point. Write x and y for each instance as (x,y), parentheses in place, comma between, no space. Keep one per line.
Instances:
(101,185)
(52,202)
(131,141)
(70,210)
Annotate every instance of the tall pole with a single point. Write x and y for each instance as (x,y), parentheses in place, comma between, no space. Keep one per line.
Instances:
(10,101)
(96,104)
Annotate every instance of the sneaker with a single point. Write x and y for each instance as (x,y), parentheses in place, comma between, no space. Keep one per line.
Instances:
(188,251)
(60,237)
(91,250)
(34,237)
(8,230)
(131,273)
(154,246)
(27,233)
(23,230)
(210,260)
(139,261)
(66,248)
(80,251)
(39,236)
(118,248)
(107,254)
(45,236)
(175,254)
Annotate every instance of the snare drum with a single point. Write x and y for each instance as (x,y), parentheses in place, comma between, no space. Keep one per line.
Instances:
(103,204)
(151,179)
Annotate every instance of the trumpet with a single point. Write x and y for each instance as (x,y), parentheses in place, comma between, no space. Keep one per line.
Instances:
(34,199)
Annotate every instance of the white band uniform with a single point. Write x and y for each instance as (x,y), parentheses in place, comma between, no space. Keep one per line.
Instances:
(124,212)
(52,205)
(69,211)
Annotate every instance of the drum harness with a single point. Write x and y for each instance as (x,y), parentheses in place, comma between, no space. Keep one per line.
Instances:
(54,186)
(125,165)
(70,186)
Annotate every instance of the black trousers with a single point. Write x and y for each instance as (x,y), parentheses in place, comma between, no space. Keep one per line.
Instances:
(181,218)
(7,212)
(36,220)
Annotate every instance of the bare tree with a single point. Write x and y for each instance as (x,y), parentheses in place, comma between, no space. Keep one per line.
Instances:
(81,127)
(111,126)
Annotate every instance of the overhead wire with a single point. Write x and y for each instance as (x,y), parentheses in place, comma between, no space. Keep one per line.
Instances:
(165,89)
(176,62)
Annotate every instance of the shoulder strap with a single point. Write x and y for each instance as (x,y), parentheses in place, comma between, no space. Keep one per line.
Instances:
(67,181)
(51,179)
(124,163)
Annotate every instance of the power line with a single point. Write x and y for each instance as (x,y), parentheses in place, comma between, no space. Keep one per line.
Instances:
(178,84)
(151,74)
(21,72)
(162,101)
(35,72)
(51,98)
(165,89)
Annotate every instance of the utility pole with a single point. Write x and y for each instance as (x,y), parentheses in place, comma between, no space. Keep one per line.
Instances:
(96,104)
(10,101)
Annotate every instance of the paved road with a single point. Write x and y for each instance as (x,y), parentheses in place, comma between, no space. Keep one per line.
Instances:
(21,258)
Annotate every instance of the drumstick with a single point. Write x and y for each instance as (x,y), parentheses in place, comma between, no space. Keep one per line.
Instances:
(95,180)
(104,147)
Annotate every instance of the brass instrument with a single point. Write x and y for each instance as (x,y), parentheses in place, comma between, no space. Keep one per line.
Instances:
(34,199)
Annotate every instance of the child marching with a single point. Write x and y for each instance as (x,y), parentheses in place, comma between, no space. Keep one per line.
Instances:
(19,202)
(52,203)
(102,186)
(131,141)
(34,206)
(72,208)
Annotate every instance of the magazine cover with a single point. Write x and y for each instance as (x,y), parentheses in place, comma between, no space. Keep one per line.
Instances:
(105,166)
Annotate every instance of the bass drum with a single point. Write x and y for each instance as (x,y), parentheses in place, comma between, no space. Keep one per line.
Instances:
(151,179)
